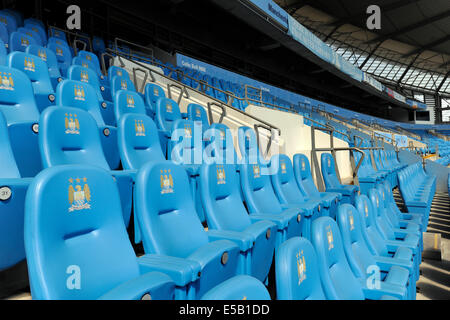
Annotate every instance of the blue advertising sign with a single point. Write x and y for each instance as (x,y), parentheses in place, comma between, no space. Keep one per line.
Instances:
(273,10)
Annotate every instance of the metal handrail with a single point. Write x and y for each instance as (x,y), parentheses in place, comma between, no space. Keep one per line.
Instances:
(68,32)
(210,115)
(258,140)
(121,56)
(135,70)
(75,47)
(182,88)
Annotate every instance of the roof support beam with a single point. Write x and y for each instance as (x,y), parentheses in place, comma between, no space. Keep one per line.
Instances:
(428,46)
(408,68)
(443,81)
(370,55)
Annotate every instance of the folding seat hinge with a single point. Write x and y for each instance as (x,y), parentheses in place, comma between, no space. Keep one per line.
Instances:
(35,128)
(51,98)
(268,234)
(224,258)
(106,132)
(104,105)
(5,193)
(299,218)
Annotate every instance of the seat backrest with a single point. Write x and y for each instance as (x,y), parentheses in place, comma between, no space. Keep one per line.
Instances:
(38,28)
(338,280)
(197,113)
(114,71)
(37,71)
(48,56)
(358,254)
(374,238)
(166,212)
(258,191)
(138,141)
(98,44)
(296,271)
(19,41)
(61,50)
(8,169)
(167,112)
(121,83)
(152,93)
(77,94)
(303,175)
(70,136)
(91,57)
(9,22)
(128,102)
(86,75)
(241,287)
(283,180)
(186,144)
(219,144)
(31,33)
(16,97)
(329,171)
(73,218)
(219,188)
(380,218)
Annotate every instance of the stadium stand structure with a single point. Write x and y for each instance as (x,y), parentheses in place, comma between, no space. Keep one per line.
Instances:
(140,157)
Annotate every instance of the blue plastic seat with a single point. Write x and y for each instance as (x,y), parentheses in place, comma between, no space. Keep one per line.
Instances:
(410,240)
(332,182)
(167,112)
(49,57)
(138,141)
(31,33)
(393,219)
(98,45)
(170,227)
(73,218)
(227,218)
(77,94)
(38,28)
(19,108)
(417,189)
(239,288)
(248,147)
(71,136)
(390,204)
(152,93)
(13,190)
(58,34)
(288,193)
(367,176)
(196,112)
(375,241)
(128,102)
(338,280)
(296,269)
(9,21)
(302,172)
(114,71)
(397,278)
(262,203)
(86,75)
(92,58)
(19,41)
(37,71)
(63,55)
(3,53)
(4,37)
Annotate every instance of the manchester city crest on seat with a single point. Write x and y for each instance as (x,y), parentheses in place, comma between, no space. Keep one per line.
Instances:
(256,171)
(166,182)
(79,195)
(59,52)
(155,92)
(72,124)
(79,93)
(139,128)
(303,165)
(301,267)
(130,101)
(84,76)
(283,167)
(187,131)
(42,54)
(29,64)
(123,85)
(24,42)
(169,107)
(221,177)
(351,220)
(6,81)
(330,239)
(366,209)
